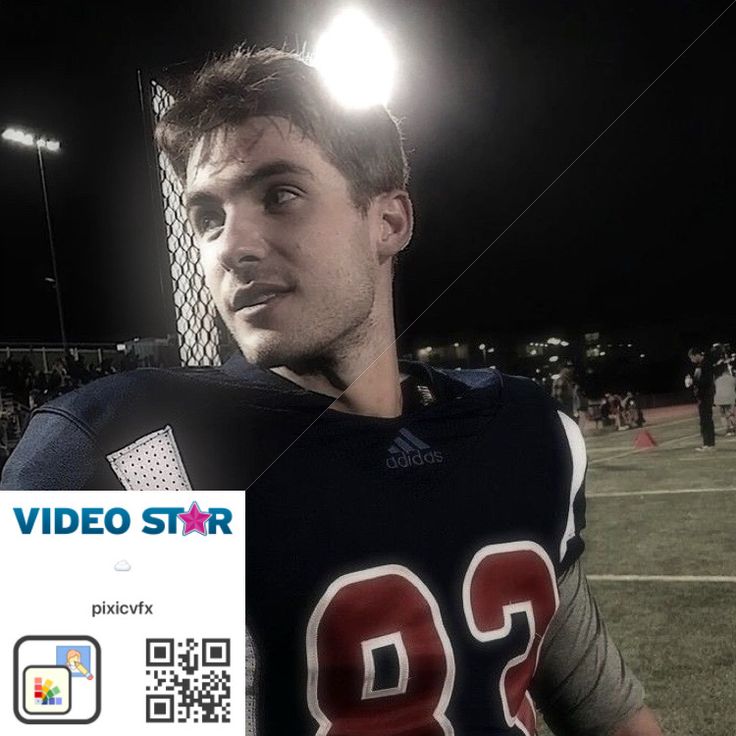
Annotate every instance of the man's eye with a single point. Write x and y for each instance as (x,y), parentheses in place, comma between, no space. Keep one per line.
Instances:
(279,197)
(205,221)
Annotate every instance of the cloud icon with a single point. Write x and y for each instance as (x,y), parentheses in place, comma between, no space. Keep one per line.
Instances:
(122,566)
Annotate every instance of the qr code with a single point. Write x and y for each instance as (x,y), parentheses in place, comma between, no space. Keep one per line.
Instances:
(188,681)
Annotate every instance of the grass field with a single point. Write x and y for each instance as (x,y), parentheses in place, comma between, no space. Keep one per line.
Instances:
(661,559)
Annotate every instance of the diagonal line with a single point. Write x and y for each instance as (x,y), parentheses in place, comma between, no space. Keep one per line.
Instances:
(503,232)
(553,182)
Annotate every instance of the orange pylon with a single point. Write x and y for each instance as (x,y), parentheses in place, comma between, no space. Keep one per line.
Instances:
(644,440)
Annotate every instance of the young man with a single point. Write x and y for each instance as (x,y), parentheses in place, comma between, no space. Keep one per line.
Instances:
(704,389)
(413,534)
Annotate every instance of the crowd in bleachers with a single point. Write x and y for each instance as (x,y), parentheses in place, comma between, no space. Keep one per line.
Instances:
(33,386)
(23,388)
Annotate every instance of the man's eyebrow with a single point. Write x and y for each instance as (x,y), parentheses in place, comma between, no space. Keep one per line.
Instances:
(247,181)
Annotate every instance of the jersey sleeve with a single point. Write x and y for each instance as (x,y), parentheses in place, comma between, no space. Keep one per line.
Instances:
(582,684)
(571,544)
(54,453)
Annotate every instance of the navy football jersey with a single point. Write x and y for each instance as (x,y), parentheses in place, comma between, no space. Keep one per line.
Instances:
(401,582)
(401,573)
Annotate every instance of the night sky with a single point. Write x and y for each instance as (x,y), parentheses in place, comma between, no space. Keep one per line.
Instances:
(497,99)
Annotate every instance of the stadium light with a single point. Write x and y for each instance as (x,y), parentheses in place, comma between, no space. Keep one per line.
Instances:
(25,138)
(355,60)
(554,358)
(49,145)
(18,136)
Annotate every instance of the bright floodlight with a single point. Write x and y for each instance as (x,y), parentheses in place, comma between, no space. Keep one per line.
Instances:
(356,61)
(49,145)
(18,136)
(15,135)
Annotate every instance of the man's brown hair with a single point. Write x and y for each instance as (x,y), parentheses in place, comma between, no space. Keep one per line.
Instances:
(364,145)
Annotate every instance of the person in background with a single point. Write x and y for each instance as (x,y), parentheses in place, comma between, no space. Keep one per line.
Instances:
(565,390)
(725,397)
(704,389)
(632,413)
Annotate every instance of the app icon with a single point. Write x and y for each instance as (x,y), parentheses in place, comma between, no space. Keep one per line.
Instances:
(46,690)
(56,679)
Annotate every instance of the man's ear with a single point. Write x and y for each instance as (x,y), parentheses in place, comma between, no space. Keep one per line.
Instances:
(396,222)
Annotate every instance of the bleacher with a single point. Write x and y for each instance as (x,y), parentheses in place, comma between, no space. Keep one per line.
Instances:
(13,418)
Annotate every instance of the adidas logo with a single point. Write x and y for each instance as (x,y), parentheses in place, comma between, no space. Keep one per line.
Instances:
(407,450)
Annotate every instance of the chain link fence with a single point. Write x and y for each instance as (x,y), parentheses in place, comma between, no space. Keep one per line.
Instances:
(197,326)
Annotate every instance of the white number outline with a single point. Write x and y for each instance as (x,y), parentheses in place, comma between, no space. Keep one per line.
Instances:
(524,607)
(313,627)
(369,666)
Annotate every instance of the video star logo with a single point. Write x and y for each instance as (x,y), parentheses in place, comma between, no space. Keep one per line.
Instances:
(117,520)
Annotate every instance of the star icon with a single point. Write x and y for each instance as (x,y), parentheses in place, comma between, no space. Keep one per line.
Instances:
(194,520)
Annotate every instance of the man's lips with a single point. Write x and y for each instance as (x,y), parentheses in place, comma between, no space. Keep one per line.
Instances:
(255,294)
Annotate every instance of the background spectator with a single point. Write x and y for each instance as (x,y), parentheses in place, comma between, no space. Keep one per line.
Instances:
(704,390)
(725,398)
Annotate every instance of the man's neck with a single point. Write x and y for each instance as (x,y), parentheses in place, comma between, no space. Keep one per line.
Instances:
(370,386)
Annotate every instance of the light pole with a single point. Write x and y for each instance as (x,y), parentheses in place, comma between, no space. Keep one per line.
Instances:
(23,138)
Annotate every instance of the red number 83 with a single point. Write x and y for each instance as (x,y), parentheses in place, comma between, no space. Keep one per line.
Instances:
(389,606)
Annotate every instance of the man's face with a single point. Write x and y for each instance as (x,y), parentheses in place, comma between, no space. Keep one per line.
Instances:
(291,263)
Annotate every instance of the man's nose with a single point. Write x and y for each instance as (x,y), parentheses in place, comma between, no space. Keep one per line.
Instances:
(241,243)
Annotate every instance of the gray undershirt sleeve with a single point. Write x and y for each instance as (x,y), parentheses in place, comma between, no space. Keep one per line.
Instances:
(582,684)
